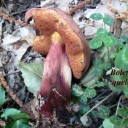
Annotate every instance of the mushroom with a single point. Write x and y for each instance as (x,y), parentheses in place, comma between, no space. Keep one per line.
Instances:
(66,49)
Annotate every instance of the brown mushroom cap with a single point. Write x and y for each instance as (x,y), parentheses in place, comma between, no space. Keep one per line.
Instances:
(48,21)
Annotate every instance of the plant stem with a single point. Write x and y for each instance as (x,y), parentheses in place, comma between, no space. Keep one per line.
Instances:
(79,6)
(101,126)
(96,97)
(118,105)
(10,73)
(108,54)
(112,106)
(97,105)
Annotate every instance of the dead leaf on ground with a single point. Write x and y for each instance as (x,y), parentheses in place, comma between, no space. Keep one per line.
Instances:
(63,4)
(19,41)
(47,3)
(77,17)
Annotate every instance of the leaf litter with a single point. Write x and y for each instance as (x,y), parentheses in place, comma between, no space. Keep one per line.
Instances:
(16,44)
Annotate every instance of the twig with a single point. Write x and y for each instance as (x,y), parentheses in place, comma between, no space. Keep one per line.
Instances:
(10,19)
(113,106)
(18,12)
(97,105)
(14,97)
(79,6)
(125,12)
(118,105)
(112,9)
(10,73)
(117,13)
(97,97)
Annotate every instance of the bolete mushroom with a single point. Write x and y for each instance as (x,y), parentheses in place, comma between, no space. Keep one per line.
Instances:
(66,49)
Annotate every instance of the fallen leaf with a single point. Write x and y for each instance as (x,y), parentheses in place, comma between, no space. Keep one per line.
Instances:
(124,28)
(47,3)
(34,106)
(2,123)
(19,41)
(119,6)
(90,32)
(24,33)
(76,18)
(63,5)
(86,120)
(102,9)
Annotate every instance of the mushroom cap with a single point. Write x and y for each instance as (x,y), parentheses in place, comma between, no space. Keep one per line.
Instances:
(50,20)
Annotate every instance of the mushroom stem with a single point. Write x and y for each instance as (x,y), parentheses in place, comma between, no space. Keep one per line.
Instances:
(56,81)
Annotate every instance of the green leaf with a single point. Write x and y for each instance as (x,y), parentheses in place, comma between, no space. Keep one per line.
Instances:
(125,90)
(95,43)
(96,16)
(22,123)
(107,123)
(114,78)
(123,112)
(103,112)
(107,19)
(120,45)
(83,99)
(94,114)
(32,74)
(116,88)
(77,90)
(123,38)
(24,126)
(88,77)
(100,84)
(10,124)
(20,116)
(83,109)
(2,96)
(9,112)
(110,41)
(90,92)
(99,66)
(101,33)
(107,65)
(115,120)
(112,55)
(121,60)
(125,123)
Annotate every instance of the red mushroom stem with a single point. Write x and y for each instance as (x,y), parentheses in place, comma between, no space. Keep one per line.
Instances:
(56,80)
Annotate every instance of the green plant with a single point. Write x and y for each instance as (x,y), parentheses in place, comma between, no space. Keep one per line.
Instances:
(97,93)
(119,119)
(12,117)
(110,54)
